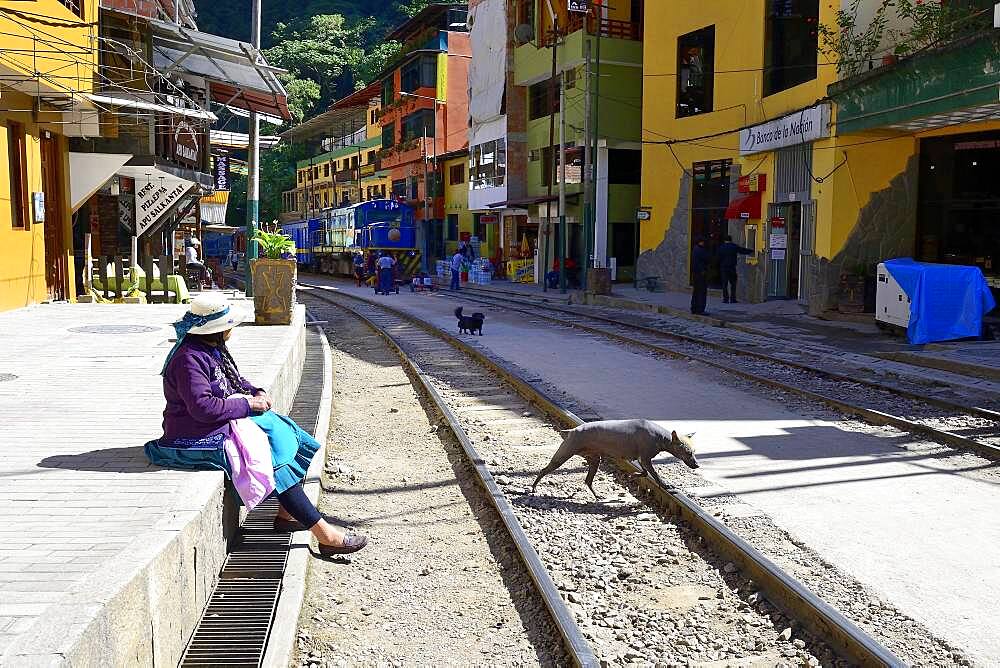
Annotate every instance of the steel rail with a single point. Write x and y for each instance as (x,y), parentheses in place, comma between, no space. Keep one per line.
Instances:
(787,593)
(877,417)
(576,645)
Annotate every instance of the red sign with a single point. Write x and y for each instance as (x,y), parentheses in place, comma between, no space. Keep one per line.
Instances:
(754,183)
(777,221)
(489,219)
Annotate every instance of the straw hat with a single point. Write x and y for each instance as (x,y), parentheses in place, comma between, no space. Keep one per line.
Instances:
(211,312)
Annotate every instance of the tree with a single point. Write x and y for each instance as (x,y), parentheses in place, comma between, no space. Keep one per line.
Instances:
(412,7)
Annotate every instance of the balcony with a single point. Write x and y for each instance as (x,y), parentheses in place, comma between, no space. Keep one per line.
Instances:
(621,42)
(353,139)
(950,85)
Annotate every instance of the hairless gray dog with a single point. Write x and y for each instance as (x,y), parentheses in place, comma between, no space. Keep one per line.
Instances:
(634,440)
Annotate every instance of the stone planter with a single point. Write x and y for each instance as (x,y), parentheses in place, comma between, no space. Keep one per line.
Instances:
(851,294)
(273,291)
(599,281)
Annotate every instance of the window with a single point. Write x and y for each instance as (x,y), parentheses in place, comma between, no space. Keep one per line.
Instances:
(17,161)
(543,99)
(526,14)
(388,91)
(452,227)
(695,72)
(421,72)
(75,6)
(316,172)
(301,175)
(326,169)
(399,189)
(371,157)
(456,174)
(624,166)
(414,187)
(574,164)
(416,123)
(354,161)
(790,44)
(488,164)
(389,135)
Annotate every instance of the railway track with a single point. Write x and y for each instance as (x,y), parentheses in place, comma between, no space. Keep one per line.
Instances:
(622,584)
(972,428)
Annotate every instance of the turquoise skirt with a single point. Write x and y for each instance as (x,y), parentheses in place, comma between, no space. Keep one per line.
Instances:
(292,451)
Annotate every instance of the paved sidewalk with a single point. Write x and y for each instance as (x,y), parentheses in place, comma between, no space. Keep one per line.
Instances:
(787,320)
(82,513)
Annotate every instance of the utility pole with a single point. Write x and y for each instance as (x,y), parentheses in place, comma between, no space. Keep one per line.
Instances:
(562,182)
(595,127)
(552,156)
(588,162)
(253,166)
(427,195)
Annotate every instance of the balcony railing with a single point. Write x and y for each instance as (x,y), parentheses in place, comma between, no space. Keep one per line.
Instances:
(353,139)
(614,28)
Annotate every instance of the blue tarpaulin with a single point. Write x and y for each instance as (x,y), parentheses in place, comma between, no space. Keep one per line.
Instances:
(947,301)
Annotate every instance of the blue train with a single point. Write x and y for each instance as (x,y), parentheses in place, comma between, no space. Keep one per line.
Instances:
(327,244)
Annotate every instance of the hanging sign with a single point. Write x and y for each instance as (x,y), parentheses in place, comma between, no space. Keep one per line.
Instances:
(489,219)
(643,215)
(186,147)
(798,128)
(578,6)
(220,172)
(154,196)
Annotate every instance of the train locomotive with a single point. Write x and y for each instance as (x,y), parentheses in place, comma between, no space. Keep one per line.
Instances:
(327,244)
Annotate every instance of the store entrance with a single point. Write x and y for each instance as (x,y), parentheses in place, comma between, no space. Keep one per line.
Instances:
(709,200)
(958,220)
(783,238)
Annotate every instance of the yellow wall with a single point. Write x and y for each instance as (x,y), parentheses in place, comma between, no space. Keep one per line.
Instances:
(22,251)
(456,200)
(860,165)
(63,49)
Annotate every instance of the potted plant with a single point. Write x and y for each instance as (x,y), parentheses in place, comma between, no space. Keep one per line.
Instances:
(274,278)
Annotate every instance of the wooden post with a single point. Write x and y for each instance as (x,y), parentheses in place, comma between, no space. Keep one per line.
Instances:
(119,277)
(147,266)
(88,262)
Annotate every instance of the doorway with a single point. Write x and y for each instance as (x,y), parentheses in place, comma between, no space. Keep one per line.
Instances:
(784,234)
(709,200)
(56,259)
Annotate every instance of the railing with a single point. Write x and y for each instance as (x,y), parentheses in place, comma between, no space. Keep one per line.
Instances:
(609,27)
(356,137)
(75,6)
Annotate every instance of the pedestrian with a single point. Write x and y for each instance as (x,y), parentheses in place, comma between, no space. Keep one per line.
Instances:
(359,268)
(234,259)
(728,253)
(192,262)
(385,266)
(216,419)
(700,258)
(456,269)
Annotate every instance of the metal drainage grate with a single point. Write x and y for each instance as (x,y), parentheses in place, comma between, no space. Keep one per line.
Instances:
(114,329)
(234,628)
(4,377)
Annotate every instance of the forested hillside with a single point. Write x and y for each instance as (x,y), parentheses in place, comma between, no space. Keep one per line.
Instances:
(329,47)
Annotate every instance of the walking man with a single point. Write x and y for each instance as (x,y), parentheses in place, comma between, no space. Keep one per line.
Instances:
(700,258)
(728,254)
(456,269)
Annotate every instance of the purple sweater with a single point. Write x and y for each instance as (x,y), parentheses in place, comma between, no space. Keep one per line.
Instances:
(196,388)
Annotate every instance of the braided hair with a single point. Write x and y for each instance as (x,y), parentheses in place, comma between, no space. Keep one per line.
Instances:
(229,369)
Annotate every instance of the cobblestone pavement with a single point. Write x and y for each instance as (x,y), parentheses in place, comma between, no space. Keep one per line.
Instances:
(79,396)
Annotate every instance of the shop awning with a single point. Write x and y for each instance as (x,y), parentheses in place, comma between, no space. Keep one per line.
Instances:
(111,98)
(89,171)
(157,193)
(522,203)
(744,206)
(238,74)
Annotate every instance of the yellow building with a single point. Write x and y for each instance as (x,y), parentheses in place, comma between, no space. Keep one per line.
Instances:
(48,58)
(459,222)
(831,187)
(344,167)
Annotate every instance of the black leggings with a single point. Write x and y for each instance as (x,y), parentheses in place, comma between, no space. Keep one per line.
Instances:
(295,501)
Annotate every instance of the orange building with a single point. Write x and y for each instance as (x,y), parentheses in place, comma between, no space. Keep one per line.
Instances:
(425,114)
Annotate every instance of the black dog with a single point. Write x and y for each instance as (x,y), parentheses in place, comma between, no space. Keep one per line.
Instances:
(471,323)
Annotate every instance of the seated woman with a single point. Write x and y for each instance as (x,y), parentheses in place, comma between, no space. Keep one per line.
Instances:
(216,419)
